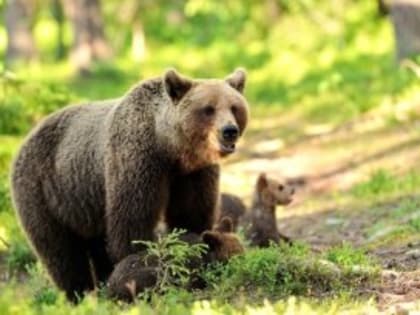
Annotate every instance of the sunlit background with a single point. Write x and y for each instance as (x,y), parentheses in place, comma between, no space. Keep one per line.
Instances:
(334,88)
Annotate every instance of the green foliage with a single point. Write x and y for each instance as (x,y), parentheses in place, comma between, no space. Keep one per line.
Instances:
(172,256)
(19,255)
(4,194)
(382,182)
(279,271)
(41,289)
(408,206)
(347,256)
(22,103)
(415,224)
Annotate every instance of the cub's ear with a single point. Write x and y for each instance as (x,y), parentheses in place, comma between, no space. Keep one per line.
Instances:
(237,79)
(212,239)
(262,182)
(176,85)
(225,225)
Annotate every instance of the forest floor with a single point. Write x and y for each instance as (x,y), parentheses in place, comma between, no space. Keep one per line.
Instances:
(352,187)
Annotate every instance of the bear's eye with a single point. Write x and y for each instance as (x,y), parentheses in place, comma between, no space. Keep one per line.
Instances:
(234,109)
(209,110)
(281,187)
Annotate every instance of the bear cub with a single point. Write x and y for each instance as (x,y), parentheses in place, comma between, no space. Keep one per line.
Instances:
(233,207)
(137,272)
(260,221)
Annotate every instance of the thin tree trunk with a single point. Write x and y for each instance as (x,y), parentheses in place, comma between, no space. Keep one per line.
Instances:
(405,16)
(58,14)
(89,42)
(19,18)
(383,8)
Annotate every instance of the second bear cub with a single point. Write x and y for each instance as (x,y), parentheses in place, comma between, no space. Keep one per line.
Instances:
(260,221)
(137,272)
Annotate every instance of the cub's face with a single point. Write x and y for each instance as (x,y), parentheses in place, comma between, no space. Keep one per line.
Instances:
(273,192)
(211,115)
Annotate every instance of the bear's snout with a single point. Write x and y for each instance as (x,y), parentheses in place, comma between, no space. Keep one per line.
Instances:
(230,133)
(227,138)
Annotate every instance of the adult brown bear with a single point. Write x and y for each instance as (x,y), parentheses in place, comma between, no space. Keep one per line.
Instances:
(92,178)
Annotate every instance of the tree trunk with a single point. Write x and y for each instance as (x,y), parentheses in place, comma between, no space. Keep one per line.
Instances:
(405,16)
(19,20)
(58,14)
(383,8)
(89,42)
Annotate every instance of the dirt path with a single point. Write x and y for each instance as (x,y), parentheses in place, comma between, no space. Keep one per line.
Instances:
(324,165)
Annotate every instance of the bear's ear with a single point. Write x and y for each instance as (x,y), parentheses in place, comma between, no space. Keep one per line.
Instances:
(225,225)
(262,182)
(237,79)
(212,239)
(175,85)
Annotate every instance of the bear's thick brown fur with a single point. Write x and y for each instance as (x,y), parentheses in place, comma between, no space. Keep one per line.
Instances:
(91,178)
(137,272)
(260,223)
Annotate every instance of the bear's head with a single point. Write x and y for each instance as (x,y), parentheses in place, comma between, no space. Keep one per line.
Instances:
(210,116)
(271,192)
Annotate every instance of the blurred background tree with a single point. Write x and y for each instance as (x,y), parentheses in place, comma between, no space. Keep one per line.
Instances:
(19,19)
(96,31)
(89,42)
(406,19)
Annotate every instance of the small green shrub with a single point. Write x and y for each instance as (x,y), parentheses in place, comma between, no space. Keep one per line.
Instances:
(19,255)
(173,256)
(42,291)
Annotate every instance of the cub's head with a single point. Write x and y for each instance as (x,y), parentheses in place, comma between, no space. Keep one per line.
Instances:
(272,192)
(210,116)
(222,242)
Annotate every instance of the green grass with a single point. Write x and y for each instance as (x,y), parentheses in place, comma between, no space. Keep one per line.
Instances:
(274,274)
(280,271)
(384,183)
(93,305)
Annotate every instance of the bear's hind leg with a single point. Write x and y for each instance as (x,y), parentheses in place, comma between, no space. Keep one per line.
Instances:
(61,251)
(65,257)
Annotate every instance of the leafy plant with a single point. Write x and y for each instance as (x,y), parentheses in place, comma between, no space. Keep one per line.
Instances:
(172,256)
(43,293)
(19,255)
(279,271)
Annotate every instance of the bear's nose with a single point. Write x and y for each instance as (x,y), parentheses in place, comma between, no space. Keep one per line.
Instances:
(230,133)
